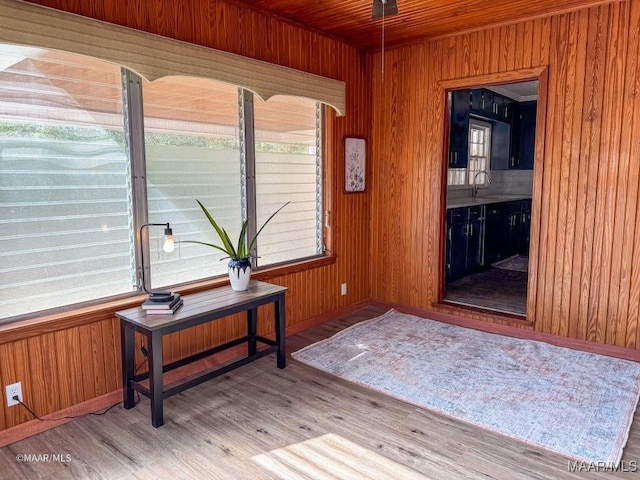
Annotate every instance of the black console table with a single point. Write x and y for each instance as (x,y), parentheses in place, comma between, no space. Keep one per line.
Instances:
(197,309)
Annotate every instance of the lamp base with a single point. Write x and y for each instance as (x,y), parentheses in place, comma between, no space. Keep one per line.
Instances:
(161,296)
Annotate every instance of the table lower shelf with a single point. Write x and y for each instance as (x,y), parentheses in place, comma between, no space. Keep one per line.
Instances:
(197,379)
(207,374)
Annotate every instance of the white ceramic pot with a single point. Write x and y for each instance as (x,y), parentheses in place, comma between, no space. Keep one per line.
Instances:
(239,273)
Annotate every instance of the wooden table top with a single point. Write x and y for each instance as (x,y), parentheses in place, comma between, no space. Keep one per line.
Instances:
(210,303)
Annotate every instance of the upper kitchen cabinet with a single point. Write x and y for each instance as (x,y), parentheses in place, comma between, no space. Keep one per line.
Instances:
(527,134)
(523,133)
(491,105)
(459,129)
(501,146)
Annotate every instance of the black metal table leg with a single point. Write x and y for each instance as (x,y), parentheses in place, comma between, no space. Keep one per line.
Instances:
(128,361)
(198,309)
(155,377)
(280,330)
(252,327)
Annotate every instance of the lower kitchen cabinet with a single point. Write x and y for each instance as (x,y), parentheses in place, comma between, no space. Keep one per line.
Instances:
(525,228)
(507,227)
(497,233)
(464,241)
(481,235)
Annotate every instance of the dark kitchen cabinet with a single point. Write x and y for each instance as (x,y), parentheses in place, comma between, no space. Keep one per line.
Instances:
(500,146)
(527,134)
(491,105)
(523,132)
(464,241)
(507,230)
(524,226)
(475,234)
(459,129)
(456,250)
(514,159)
(497,233)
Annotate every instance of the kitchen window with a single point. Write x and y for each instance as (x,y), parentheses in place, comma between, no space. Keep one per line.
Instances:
(479,156)
(78,168)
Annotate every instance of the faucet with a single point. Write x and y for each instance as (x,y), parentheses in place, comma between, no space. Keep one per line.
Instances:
(474,191)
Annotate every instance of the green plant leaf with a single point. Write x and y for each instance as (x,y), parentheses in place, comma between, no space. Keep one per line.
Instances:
(264,225)
(224,237)
(242,251)
(207,244)
(242,244)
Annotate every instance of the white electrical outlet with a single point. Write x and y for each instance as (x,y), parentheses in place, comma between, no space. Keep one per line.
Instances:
(13,390)
(343,289)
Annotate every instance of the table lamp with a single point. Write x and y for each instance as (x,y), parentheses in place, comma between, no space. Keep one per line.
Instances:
(168,248)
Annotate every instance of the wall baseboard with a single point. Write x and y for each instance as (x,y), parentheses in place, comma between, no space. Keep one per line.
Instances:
(33,427)
(574,343)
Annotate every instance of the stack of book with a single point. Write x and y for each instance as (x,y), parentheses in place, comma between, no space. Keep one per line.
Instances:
(162,308)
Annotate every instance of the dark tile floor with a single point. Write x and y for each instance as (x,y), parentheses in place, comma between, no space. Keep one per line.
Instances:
(495,289)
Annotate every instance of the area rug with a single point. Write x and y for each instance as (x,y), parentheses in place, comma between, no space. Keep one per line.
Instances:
(574,403)
(517,263)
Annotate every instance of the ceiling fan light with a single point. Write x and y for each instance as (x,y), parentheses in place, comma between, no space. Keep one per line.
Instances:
(389,7)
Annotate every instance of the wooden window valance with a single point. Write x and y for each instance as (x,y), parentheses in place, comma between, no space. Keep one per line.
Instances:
(152,56)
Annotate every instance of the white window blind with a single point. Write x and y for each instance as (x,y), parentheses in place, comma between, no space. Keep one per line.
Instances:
(64,181)
(288,168)
(192,152)
(70,208)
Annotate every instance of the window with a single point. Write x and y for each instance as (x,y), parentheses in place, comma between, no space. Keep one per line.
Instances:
(479,156)
(288,168)
(192,150)
(71,208)
(65,218)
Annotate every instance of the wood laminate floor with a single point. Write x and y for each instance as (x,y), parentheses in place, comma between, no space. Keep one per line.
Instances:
(259,422)
(494,289)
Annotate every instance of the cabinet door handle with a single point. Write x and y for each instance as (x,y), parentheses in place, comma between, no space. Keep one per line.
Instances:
(524,217)
(449,233)
(455,158)
(506,111)
(471,225)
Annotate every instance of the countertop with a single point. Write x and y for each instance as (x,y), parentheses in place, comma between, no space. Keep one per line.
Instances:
(484,200)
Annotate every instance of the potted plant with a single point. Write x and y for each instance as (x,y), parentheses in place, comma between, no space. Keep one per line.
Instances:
(240,255)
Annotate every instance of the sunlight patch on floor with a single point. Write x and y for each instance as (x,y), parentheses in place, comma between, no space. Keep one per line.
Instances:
(332,457)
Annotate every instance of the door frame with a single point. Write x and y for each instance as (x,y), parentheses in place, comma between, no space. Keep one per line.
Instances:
(541,74)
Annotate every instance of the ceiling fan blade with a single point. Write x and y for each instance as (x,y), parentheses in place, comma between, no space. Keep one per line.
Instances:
(390,7)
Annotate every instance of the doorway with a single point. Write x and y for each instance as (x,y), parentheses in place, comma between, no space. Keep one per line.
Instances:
(489,190)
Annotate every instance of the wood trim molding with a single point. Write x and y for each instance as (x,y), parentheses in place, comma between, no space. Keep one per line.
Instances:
(33,427)
(516,332)
(521,75)
(541,74)
(301,266)
(479,312)
(18,330)
(153,56)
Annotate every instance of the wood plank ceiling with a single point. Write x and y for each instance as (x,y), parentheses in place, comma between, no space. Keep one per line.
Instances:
(351,20)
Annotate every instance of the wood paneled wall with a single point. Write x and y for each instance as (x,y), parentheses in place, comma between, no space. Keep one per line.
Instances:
(74,364)
(586,216)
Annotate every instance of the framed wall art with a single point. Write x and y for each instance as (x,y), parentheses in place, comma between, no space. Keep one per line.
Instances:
(354,164)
